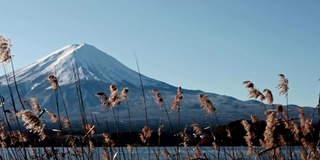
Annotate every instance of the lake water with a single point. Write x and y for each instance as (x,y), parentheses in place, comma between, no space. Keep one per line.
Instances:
(140,153)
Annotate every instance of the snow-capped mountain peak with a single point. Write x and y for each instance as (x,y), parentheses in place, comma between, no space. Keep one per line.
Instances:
(91,64)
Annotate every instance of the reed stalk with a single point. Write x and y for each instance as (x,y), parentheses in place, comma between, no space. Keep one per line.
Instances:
(159,137)
(144,103)
(7,123)
(16,86)
(118,132)
(80,101)
(15,109)
(130,130)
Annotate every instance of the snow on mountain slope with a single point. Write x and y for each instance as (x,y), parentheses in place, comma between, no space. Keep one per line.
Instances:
(92,64)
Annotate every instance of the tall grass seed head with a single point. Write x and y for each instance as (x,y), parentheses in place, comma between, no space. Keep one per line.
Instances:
(54,81)
(124,93)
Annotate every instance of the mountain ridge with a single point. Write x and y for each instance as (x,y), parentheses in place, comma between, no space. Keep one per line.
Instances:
(97,71)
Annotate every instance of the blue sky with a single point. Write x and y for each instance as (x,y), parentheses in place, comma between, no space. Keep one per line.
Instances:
(211,45)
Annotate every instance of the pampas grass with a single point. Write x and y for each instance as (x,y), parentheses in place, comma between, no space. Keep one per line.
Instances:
(206,104)
(32,122)
(177,100)
(53,80)
(35,105)
(145,134)
(253,91)
(104,99)
(124,93)
(283,85)
(249,136)
(114,97)
(277,125)
(254,118)
(160,101)
(5,50)
(268,96)
(159,98)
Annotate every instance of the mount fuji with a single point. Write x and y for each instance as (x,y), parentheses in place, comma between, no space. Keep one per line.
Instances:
(96,72)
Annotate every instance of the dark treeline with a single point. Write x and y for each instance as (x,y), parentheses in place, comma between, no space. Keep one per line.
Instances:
(206,138)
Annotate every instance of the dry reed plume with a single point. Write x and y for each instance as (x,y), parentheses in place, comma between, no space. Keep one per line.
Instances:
(160,101)
(104,100)
(254,118)
(249,136)
(32,122)
(35,105)
(253,91)
(159,98)
(269,133)
(279,109)
(145,133)
(54,81)
(274,140)
(305,123)
(177,99)
(283,85)
(268,96)
(5,51)
(206,104)
(114,97)
(124,93)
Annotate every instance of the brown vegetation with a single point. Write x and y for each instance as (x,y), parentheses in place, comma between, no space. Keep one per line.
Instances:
(273,134)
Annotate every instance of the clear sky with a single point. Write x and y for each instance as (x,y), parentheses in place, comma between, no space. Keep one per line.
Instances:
(211,45)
